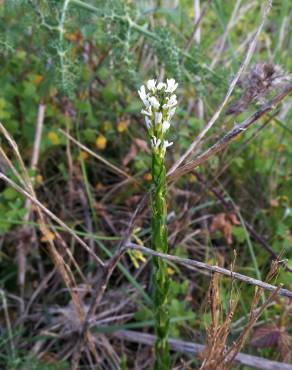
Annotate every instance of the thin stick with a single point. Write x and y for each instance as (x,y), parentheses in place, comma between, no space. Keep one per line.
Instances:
(197,37)
(230,136)
(38,136)
(52,216)
(22,249)
(224,38)
(216,115)
(230,207)
(204,266)
(198,19)
(195,348)
(12,168)
(26,181)
(8,322)
(110,165)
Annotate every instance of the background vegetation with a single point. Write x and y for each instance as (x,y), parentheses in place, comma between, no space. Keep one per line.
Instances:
(82,62)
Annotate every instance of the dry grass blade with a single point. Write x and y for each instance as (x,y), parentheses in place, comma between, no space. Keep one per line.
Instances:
(101,159)
(230,136)
(216,115)
(23,250)
(231,208)
(194,349)
(198,20)
(52,216)
(26,178)
(38,136)
(8,321)
(204,266)
(29,193)
(217,333)
(217,355)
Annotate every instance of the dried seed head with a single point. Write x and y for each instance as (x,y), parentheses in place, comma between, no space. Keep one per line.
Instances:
(256,84)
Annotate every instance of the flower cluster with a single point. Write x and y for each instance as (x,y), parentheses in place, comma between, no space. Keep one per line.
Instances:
(160,104)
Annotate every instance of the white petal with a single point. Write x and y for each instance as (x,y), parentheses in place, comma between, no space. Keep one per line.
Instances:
(148,122)
(171,85)
(165,126)
(158,118)
(161,86)
(147,112)
(154,102)
(151,84)
(142,92)
(155,142)
(170,102)
(143,95)
(172,99)
(171,113)
(166,144)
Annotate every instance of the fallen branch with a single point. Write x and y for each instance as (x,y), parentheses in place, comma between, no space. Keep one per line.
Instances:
(230,207)
(230,136)
(194,348)
(204,266)
(52,216)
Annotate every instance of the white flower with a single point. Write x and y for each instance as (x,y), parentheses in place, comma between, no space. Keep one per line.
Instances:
(166,144)
(158,118)
(155,142)
(154,102)
(161,86)
(165,126)
(147,112)
(171,114)
(171,85)
(148,122)
(171,102)
(143,95)
(151,85)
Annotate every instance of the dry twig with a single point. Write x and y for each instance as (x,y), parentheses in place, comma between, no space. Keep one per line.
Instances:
(216,115)
(230,136)
(204,266)
(195,349)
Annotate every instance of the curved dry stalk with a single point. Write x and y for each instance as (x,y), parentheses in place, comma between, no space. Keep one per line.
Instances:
(216,115)
(52,216)
(101,159)
(195,349)
(230,136)
(204,266)
(29,193)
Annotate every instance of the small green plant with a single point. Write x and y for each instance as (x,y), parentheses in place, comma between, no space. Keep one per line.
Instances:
(160,103)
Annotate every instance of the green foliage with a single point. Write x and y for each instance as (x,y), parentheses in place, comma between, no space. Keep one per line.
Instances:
(168,53)
(180,312)
(87,76)
(160,277)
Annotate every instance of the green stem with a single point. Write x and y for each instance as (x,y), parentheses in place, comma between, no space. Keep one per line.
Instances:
(160,276)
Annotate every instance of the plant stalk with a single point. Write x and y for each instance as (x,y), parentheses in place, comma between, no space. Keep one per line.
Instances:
(160,275)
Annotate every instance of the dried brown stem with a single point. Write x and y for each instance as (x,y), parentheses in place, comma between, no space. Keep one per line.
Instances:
(216,115)
(101,159)
(196,26)
(230,207)
(51,215)
(106,272)
(195,348)
(204,266)
(230,136)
